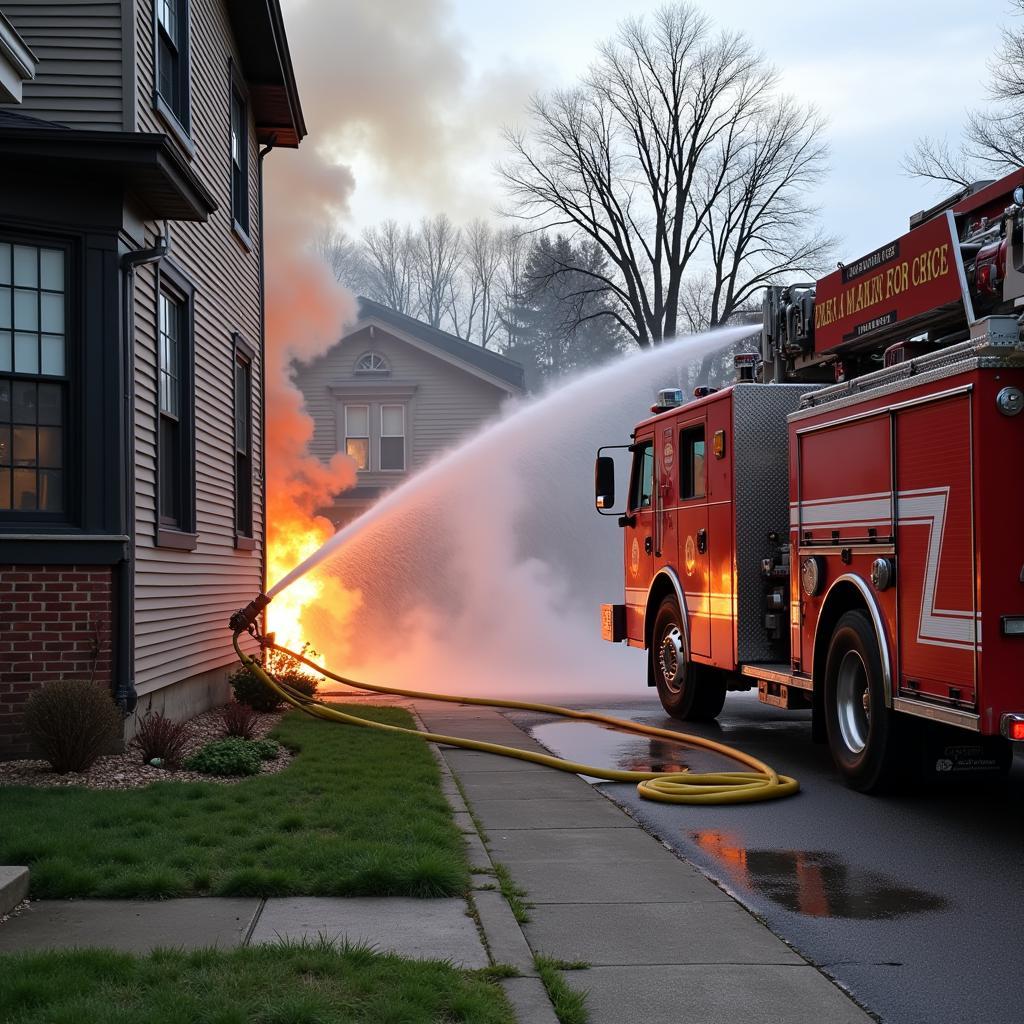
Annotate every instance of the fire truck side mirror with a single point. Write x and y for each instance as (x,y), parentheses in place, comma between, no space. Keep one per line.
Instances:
(604,483)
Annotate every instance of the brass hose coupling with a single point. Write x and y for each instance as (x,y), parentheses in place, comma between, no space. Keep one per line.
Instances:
(246,617)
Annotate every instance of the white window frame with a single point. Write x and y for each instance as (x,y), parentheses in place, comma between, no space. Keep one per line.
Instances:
(382,435)
(359,437)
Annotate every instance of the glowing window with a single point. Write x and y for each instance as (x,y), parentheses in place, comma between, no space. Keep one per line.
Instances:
(357,435)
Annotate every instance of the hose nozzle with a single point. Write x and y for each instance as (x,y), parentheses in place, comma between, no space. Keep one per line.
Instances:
(246,617)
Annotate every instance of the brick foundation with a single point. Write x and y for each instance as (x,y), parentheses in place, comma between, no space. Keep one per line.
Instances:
(55,622)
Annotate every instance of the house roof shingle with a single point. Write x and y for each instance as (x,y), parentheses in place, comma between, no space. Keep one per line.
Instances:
(499,366)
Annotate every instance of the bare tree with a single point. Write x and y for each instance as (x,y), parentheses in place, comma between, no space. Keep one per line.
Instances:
(993,142)
(483,259)
(437,253)
(345,257)
(390,256)
(514,248)
(642,156)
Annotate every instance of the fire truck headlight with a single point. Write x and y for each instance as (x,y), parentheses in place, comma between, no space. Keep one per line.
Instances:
(1010,401)
(812,575)
(883,571)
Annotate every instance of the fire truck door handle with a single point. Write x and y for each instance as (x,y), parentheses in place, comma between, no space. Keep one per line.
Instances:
(648,545)
(702,541)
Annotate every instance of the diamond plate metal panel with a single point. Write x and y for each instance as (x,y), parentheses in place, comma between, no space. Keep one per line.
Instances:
(761,474)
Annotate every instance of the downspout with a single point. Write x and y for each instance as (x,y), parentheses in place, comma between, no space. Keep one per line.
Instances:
(261,154)
(124,669)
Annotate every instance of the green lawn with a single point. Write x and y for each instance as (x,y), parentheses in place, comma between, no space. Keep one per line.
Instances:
(310,984)
(358,812)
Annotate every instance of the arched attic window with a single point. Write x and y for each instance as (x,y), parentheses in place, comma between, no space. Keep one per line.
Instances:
(372,363)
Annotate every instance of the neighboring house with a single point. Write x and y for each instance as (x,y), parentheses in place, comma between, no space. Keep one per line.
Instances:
(393,394)
(131,325)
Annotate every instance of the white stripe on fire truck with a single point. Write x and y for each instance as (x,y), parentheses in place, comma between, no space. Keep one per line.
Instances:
(942,627)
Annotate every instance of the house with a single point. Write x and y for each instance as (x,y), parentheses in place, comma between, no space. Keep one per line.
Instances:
(131,332)
(393,393)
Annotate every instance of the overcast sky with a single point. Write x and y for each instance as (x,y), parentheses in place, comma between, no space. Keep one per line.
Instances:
(882,72)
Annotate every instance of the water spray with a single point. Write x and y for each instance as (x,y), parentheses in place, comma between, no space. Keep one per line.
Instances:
(760,783)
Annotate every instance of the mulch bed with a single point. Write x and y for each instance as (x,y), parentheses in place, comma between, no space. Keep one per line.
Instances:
(127,771)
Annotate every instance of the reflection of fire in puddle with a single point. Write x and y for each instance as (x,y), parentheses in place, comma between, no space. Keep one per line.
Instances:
(610,748)
(815,883)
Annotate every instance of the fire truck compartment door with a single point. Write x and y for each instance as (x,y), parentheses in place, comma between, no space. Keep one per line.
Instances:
(938,613)
(638,537)
(694,542)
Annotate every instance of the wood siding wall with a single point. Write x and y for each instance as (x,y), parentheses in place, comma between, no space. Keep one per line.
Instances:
(79,44)
(183,598)
(449,403)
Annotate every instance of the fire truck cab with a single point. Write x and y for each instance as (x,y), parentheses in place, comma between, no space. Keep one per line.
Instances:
(841,528)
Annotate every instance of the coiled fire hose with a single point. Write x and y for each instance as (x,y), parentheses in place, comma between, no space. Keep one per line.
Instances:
(761,783)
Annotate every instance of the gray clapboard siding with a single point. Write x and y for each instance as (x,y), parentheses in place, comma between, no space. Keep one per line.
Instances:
(183,598)
(79,46)
(449,402)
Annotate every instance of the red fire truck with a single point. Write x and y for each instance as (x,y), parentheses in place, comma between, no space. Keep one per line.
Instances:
(842,527)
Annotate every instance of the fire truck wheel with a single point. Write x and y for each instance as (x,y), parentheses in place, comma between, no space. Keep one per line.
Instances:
(689,692)
(860,727)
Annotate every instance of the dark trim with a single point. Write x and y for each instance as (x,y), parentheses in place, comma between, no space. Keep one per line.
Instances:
(160,105)
(169,278)
(242,236)
(180,540)
(237,87)
(173,125)
(147,165)
(242,351)
(62,551)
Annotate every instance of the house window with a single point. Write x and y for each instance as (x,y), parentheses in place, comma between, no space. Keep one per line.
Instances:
(175,502)
(172,59)
(357,434)
(239,160)
(33,381)
(372,363)
(243,445)
(392,437)
(691,474)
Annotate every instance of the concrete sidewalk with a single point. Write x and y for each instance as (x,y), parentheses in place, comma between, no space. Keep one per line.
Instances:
(665,945)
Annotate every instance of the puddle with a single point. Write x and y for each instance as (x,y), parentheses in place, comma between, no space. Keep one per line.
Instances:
(610,748)
(815,882)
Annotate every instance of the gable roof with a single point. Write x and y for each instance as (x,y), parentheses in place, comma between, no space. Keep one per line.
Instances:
(482,362)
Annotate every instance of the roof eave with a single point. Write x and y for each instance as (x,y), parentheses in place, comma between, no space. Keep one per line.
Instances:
(147,165)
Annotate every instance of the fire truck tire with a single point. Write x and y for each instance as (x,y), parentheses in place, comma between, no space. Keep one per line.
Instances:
(861,729)
(688,692)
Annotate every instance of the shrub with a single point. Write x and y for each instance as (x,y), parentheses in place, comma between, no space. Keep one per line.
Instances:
(249,689)
(267,749)
(72,721)
(239,720)
(232,756)
(160,736)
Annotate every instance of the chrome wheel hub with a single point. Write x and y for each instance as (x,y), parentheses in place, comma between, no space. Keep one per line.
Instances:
(671,659)
(853,702)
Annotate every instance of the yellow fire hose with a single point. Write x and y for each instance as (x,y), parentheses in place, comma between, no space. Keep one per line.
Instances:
(762,783)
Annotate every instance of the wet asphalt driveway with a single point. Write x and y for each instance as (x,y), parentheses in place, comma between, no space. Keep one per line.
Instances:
(914,903)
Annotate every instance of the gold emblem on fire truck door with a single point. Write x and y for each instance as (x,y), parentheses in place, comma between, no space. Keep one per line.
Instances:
(691,556)
(634,557)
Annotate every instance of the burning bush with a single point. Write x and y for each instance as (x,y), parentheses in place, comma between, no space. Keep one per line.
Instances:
(161,737)
(250,690)
(72,721)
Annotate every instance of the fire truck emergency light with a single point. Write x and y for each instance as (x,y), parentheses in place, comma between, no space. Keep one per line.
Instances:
(1012,727)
